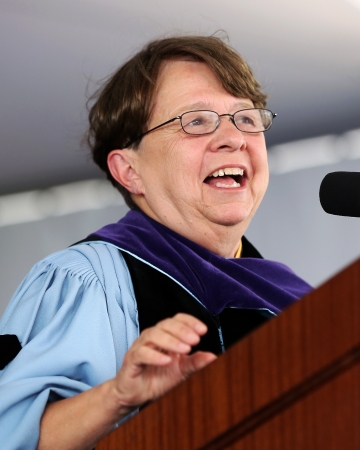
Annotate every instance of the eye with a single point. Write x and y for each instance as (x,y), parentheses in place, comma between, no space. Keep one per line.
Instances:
(245,120)
(248,120)
(199,122)
(194,121)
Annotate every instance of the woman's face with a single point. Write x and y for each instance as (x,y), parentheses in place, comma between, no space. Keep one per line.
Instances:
(175,168)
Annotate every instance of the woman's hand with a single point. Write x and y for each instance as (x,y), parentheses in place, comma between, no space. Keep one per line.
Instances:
(159,359)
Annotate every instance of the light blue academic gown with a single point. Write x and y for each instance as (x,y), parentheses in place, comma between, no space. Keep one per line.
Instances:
(75,315)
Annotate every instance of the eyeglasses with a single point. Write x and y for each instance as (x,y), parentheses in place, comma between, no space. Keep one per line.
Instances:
(252,120)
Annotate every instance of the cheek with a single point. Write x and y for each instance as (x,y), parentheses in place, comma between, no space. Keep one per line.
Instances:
(260,168)
(258,154)
(262,174)
(164,165)
(182,162)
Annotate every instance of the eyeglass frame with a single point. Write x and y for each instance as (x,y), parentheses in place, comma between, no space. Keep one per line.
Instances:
(132,141)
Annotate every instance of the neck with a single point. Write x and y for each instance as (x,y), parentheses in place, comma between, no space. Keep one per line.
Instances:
(223,240)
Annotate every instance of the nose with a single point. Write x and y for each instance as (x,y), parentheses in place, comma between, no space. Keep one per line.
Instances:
(227,136)
(231,118)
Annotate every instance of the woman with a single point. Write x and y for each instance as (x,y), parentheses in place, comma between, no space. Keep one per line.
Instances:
(179,129)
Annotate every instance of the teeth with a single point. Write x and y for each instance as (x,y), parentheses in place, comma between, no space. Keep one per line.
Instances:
(228,171)
(233,171)
(222,185)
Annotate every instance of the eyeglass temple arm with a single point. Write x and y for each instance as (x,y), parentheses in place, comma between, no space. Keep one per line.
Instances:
(131,141)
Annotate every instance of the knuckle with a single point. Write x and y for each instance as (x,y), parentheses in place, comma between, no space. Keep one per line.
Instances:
(149,334)
(181,316)
(167,322)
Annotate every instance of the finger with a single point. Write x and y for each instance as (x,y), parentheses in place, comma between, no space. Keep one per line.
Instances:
(183,328)
(163,340)
(148,356)
(196,361)
(192,322)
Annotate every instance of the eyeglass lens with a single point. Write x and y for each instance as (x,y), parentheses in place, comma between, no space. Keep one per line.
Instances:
(247,120)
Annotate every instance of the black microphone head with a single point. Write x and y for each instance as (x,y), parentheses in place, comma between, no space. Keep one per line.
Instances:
(340,193)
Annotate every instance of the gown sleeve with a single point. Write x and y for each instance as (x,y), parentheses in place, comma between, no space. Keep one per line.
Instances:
(75,316)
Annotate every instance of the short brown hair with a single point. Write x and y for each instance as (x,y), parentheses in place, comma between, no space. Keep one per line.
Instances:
(124,103)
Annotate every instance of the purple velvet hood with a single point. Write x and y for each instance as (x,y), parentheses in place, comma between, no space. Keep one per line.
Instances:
(217,282)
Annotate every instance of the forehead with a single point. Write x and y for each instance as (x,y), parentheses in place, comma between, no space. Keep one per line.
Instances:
(181,79)
(187,85)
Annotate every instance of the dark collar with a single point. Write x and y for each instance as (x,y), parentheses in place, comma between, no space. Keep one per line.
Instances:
(217,282)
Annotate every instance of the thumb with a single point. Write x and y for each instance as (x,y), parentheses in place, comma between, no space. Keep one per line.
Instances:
(195,362)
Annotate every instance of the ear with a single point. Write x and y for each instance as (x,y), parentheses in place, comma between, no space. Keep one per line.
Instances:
(122,166)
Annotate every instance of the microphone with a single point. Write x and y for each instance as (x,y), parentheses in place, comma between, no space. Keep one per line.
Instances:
(340,194)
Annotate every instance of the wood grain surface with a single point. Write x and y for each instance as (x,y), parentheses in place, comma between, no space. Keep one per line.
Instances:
(292,384)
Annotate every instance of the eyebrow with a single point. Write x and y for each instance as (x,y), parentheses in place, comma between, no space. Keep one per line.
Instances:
(242,104)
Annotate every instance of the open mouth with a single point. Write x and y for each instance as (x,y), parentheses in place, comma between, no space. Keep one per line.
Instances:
(229,177)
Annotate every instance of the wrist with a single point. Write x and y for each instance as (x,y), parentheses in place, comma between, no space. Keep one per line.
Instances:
(115,401)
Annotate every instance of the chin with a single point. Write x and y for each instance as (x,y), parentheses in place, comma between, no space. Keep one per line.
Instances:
(230,217)
(230,208)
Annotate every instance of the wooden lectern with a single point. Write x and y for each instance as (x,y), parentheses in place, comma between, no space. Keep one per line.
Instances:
(292,384)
